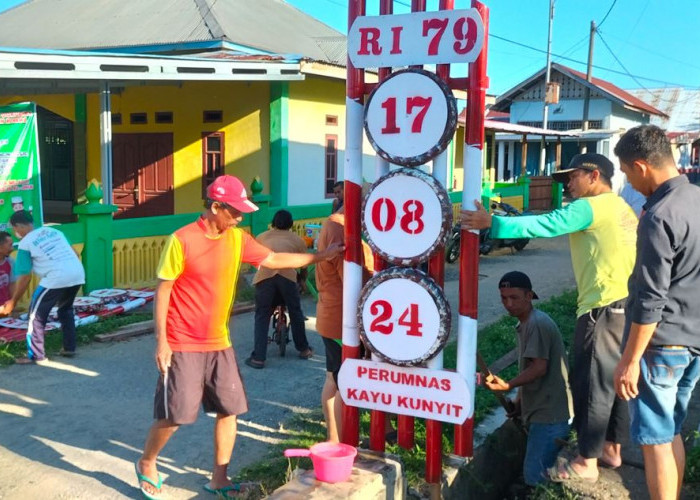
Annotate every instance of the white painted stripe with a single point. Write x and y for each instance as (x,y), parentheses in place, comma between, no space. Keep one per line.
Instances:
(165,394)
(352,287)
(437,362)
(440,168)
(466,354)
(473,162)
(381,167)
(354,118)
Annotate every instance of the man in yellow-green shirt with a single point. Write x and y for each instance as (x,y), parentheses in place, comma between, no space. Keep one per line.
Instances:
(602,237)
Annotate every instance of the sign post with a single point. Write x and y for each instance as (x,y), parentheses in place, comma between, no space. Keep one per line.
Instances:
(402,315)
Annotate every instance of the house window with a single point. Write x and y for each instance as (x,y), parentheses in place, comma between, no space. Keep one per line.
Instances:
(212,158)
(164,116)
(139,118)
(331,163)
(116,118)
(332,120)
(213,116)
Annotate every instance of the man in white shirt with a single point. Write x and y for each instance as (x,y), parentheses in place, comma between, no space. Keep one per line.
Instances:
(46,252)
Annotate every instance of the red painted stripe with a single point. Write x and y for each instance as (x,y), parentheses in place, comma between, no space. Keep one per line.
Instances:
(468,274)
(405,430)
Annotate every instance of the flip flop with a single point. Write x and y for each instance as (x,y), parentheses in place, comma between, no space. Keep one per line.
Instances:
(237,488)
(554,474)
(158,485)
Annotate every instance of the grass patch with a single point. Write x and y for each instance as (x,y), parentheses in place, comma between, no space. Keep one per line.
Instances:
(495,340)
(85,335)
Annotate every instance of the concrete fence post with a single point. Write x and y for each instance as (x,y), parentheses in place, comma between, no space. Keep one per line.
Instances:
(96,218)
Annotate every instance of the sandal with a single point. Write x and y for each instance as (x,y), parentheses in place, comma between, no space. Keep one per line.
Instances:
(145,479)
(306,353)
(237,489)
(554,473)
(254,363)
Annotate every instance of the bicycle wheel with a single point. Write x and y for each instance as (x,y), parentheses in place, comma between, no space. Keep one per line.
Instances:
(283,332)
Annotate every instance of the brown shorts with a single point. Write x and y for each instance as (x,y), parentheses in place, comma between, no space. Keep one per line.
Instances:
(209,378)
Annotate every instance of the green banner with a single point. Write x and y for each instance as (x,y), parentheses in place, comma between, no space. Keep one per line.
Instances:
(20,184)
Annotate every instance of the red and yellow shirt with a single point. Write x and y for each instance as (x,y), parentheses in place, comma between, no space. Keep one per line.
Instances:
(205,271)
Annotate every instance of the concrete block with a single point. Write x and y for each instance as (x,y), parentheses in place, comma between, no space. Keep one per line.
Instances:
(374,476)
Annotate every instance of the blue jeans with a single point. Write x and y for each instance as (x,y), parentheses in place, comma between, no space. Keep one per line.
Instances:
(666,381)
(542,449)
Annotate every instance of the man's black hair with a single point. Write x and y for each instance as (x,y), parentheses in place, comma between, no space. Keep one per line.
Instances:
(21,217)
(4,235)
(282,220)
(339,184)
(645,142)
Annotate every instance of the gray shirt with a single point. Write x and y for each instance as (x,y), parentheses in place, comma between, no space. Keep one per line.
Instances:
(664,287)
(546,400)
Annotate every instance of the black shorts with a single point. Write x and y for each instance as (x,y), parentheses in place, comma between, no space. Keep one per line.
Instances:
(207,378)
(334,357)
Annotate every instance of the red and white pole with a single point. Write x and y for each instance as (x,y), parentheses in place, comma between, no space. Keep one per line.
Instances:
(377,426)
(469,245)
(352,267)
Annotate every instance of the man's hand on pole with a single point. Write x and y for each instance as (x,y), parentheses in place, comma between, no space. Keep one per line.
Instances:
(476,219)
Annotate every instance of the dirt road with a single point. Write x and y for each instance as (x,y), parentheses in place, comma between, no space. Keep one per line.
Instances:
(73,429)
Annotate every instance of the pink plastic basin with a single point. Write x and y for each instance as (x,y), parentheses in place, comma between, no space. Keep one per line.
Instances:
(332,461)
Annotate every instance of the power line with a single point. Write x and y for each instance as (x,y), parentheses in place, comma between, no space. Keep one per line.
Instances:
(635,79)
(561,56)
(607,13)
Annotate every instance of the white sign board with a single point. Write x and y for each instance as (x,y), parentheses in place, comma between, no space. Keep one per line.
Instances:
(406,216)
(418,392)
(439,37)
(410,117)
(403,316)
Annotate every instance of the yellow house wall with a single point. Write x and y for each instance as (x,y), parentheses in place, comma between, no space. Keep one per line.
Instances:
(61,104)
(246,125)
(309,103)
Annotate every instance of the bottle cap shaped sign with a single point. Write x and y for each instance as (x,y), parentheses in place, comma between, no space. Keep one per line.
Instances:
(404,317)
(410,117)
(406,216)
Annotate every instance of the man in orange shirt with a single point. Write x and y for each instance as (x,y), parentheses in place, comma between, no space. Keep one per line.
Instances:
(197,276)
(329,315)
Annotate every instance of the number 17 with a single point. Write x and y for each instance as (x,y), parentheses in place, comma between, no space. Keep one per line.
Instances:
(411,103)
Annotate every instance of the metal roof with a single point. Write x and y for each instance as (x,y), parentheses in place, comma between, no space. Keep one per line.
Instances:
(491,122)
(264,25)
(613,92)
(681,105)
(65,71)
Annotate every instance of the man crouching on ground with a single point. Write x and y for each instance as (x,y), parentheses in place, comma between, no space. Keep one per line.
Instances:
(544,399)
(197,278)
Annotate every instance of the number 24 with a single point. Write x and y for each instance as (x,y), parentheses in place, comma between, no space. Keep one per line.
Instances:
(383,324)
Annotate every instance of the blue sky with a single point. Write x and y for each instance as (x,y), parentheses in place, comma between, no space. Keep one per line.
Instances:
(657,41)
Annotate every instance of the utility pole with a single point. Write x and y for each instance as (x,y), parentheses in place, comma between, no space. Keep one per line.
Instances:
(543,147)
(589,77)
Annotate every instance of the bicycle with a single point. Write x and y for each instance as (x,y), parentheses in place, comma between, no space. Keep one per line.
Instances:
(280,326)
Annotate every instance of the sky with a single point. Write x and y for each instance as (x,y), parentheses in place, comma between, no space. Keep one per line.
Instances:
(655,41)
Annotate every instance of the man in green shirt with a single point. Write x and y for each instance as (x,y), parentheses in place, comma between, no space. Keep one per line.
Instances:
(544,398)
(602,238)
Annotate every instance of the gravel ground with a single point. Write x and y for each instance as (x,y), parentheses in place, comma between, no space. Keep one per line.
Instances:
(73,429)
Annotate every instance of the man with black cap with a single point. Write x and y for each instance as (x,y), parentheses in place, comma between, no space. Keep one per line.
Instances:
(197,277)
(602,239)
(544,399)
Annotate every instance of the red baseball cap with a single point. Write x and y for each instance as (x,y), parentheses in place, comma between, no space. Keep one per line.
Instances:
(231,191)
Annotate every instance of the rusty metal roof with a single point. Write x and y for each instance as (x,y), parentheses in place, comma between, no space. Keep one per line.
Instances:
(493,123)
(681,105)
(271,26)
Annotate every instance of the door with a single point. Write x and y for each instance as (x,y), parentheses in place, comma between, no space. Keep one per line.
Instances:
(142,167)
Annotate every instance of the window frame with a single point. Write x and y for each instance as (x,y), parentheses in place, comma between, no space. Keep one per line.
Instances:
(333,156)
(206,178)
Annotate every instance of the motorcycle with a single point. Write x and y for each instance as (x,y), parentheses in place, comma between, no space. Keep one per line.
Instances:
(486,242)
